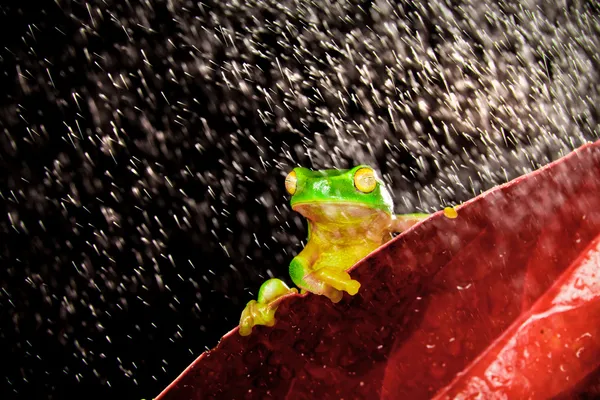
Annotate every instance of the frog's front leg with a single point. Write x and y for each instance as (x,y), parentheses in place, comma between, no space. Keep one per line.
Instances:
(339,280)
(402,222)
(325,281)
(262,311)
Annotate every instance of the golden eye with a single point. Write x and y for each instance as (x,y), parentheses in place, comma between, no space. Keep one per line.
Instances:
(364,180)
(290,182)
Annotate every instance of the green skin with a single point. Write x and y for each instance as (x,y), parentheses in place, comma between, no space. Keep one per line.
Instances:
(344,225)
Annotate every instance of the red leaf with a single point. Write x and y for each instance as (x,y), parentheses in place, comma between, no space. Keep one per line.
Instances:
(439,306)
(547,349)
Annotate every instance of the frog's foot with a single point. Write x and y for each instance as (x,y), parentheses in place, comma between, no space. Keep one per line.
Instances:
(340,281)
(256,313)
(262,312)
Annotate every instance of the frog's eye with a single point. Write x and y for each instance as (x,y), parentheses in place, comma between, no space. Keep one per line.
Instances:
(291,182)
(364,180)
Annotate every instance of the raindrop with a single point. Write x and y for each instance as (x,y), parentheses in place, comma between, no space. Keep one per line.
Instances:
(454,347)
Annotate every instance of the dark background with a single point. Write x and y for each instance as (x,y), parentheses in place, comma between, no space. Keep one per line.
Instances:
(143,147)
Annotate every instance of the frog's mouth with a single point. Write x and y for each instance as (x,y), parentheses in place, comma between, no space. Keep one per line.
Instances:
(337,212)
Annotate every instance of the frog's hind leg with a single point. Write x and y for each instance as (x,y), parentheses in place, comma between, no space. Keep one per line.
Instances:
(262,312)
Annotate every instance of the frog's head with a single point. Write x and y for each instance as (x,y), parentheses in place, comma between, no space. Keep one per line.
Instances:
(340,196)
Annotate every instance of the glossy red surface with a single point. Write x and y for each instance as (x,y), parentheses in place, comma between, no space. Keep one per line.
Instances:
(548,348)
(503,298)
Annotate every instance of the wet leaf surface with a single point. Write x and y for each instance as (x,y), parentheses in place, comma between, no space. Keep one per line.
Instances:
(504,299)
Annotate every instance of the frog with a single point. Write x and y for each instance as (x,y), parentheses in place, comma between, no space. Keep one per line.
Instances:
(349,213)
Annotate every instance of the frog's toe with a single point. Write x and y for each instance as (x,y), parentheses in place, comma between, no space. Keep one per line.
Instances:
(352,287)
(245,329)
(333,294)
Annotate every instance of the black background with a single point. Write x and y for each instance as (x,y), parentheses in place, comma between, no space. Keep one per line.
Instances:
(143,147)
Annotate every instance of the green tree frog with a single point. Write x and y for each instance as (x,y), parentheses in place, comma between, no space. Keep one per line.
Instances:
(350,213)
